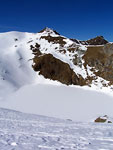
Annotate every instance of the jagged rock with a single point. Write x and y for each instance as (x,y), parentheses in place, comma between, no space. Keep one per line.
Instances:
(36,49)
(48,30)
(53,68)
(76,41)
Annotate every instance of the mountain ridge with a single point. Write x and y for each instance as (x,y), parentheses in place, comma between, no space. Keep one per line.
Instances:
(78,50)
(24,50)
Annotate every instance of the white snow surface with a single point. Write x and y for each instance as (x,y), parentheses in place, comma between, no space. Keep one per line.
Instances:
(20,131)
(60,101)
(15,67)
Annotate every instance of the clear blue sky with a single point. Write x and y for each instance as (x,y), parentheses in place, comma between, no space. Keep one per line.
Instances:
(80,19)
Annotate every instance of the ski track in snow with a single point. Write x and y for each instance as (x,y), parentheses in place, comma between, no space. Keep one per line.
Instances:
(19,131)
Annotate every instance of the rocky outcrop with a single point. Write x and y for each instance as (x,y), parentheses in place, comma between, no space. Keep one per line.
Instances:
(101,59)
(55,40)
(76,41)
(103,119)
(99,40)
(36,49)
(100,120)
(54,69)
(48,30)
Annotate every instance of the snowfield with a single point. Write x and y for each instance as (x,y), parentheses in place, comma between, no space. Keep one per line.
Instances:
(20,131)
(60,101)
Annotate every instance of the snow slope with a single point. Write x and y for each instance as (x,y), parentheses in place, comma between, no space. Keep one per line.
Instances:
(19,131)
(15,67)
(60,101)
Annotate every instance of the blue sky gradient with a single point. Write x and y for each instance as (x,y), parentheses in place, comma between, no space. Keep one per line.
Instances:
(81,19)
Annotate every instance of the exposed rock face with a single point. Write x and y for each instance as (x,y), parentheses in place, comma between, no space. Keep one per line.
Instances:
(53,68)
(100,58)
(99,40)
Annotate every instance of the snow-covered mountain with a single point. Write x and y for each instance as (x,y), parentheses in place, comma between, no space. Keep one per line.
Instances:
(35,69)
(55,57)
(48,74)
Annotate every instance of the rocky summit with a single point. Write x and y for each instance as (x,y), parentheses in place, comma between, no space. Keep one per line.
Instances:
(72,61)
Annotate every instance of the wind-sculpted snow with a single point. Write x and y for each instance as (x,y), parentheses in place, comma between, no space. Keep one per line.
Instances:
(19,131)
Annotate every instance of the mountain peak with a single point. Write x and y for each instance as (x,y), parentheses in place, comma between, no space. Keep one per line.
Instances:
(99,40)
(49,31)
